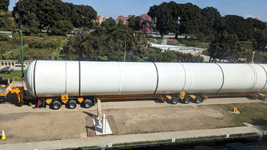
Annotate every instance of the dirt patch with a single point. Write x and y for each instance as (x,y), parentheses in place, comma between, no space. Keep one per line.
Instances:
(57,125)
(167,119)
(31,127)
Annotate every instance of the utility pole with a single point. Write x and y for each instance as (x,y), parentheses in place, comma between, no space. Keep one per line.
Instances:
(18,14)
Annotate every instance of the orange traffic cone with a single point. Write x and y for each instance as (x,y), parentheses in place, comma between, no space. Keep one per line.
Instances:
(3,135)
(8,81)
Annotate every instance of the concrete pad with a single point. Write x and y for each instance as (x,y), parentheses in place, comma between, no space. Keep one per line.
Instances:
(211,133)
(220,131)
(196,133)
(6,146)
(237,130)
(153,136)
(167,135)
(248,124)
(98,126)
(130,138)
(53,144)
(33,145)
(71,142)
(181,134)
(13,146)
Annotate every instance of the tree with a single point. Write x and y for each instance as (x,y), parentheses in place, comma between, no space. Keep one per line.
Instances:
(7,25)
(236,25)
(49,12)
(106,42)
(177,18)
(211,22)
(110,22)
(61,27)
(223,46)
(191,19)
(260,40)
(176,12)
(4,5)
(161,16)
(146,23)
(133,23)
(32,24)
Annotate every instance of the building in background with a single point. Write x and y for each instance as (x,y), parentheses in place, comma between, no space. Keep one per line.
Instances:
(99,20)
(123,19)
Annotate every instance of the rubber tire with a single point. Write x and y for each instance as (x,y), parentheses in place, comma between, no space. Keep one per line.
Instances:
(186,100)
(198,99)
(174,100)
(21,103)
(55,105)
(72,104)
(87,103)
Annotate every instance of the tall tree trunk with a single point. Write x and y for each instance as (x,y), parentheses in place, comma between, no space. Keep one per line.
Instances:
(176,35)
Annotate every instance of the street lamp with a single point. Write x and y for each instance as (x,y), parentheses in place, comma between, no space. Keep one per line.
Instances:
(18,14)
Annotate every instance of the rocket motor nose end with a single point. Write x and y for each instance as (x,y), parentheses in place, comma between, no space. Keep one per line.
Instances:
(29,78)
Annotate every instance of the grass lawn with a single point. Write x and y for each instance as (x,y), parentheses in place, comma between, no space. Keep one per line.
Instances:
(15,73)
(253,113)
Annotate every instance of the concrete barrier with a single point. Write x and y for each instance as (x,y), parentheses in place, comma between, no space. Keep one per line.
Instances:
(14,64)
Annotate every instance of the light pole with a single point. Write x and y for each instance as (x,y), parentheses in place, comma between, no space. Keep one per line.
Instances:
(18,14)
(21,52)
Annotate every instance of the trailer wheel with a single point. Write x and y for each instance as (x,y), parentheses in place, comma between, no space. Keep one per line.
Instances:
(198,99)
(55,105)
(174,100)
(72,104)
(87,103)
(186,99)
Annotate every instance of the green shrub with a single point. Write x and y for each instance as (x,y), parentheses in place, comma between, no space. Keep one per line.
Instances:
(172,42)
(3,37)
(44,43)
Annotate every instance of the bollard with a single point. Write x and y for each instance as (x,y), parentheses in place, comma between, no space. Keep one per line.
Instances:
(104,124)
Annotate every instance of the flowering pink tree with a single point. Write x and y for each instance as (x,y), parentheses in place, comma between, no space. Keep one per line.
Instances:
(146,23)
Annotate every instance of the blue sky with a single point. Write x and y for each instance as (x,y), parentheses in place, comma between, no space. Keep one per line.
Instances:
(115,8)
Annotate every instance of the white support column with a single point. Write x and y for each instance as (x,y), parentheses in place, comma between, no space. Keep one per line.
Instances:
(104,125)
(99,110)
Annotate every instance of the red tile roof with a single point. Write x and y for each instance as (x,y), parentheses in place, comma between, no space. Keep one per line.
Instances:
(122,18)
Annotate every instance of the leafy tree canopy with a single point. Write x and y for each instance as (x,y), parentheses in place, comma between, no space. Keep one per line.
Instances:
(133,23)
(106,42)
(4,5)
(48,13)
(110,22)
